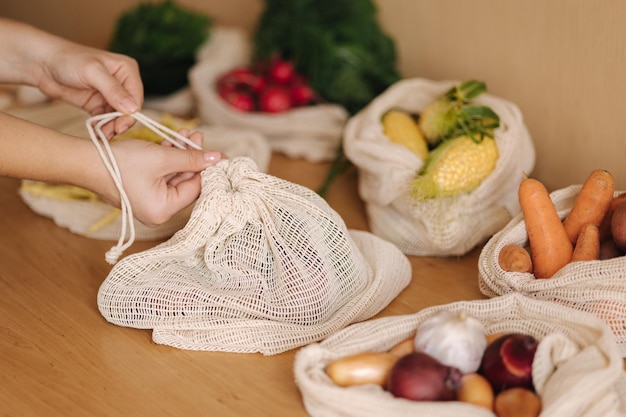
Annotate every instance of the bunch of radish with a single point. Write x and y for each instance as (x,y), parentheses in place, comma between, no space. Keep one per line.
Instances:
(272,88)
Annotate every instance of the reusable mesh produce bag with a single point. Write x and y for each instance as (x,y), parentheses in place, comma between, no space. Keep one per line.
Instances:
(441,226)
(83,213)
(597,287)
(263,265)
(310,132)
(577,370)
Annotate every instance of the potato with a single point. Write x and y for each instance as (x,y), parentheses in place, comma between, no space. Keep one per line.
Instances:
(618,226)
(475,389)
(517,402)
(515,258)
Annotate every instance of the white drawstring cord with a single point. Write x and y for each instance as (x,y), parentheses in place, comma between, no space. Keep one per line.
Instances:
(94,127)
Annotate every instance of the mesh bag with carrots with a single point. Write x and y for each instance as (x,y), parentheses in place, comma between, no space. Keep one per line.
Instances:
(440,226)
(577,370)
(312,132)
(263,265)
(595,283)
(84,213)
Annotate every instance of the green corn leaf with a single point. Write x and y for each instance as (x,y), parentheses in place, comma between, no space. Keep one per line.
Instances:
(469,90)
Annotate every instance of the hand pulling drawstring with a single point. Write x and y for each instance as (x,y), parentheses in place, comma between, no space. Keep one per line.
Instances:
(94,127)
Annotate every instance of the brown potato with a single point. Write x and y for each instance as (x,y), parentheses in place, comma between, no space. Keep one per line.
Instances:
(517,402)
(618,226)
(515,258)
(475,389)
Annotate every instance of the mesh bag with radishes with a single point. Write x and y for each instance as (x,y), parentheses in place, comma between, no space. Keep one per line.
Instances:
(567,246)
(507,356)
(262,265)
(304,70)
(439,164)
(231,92)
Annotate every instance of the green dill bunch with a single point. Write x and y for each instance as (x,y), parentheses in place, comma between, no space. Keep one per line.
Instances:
(453,114)
(455,167)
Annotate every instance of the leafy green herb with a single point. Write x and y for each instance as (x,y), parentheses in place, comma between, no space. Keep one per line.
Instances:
(164,38)
(160,31)
(338,45)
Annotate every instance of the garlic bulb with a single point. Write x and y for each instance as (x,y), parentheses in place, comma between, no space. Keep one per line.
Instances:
(454,338)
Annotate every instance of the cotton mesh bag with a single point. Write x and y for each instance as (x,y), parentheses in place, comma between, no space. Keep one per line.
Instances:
(262,265)
(84,213)
(443,226)
(310,132)
(597,287)
(577,370)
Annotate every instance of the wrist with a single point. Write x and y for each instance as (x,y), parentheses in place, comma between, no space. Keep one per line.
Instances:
(87,170)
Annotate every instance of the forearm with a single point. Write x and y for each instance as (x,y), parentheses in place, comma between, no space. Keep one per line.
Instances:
(23,49)
(32,151)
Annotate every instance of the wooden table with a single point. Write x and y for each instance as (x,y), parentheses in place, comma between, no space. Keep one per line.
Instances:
(59,357)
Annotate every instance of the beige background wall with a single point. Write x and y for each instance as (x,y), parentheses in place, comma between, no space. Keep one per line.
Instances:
(562,62)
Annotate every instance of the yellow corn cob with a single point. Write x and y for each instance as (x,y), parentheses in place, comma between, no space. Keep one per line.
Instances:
(456,166)
(401,128)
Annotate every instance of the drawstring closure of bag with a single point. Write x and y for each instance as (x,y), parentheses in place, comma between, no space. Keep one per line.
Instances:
(94,127)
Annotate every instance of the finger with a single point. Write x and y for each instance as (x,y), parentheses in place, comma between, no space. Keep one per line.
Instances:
(174,180)
(184,193)
(123,123)
(113,91)
(197,137)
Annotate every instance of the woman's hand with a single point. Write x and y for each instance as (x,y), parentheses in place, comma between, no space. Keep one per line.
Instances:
(160,180)
(95,80)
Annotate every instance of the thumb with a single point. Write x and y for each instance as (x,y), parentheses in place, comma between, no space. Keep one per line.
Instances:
(192,160)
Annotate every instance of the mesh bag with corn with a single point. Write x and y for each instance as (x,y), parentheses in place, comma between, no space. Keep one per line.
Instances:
(439,164)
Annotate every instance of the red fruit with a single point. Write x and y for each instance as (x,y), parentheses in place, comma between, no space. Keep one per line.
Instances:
(302,94)
(508,361)
(281,72)
(420,377)
(242,78)
(237,99)
(275,99)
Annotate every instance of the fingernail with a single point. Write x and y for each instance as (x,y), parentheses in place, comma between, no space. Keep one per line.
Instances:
(128,105)
(212,157)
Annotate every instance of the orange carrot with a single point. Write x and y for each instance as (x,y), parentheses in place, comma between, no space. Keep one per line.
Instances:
(588,244)
(550,247)
(605,225)
(515,258)
(591,203)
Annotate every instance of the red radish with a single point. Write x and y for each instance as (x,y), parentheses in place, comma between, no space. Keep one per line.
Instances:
(268,87)
(302,94)
(282,72)
(238,100)
(275,99)
(242,78)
